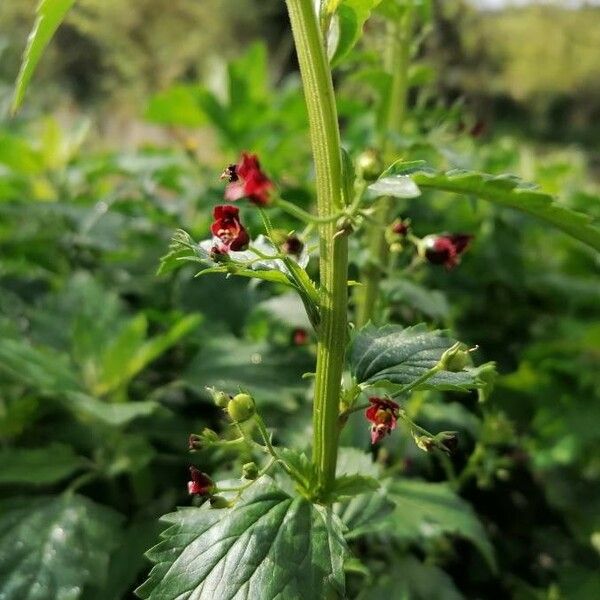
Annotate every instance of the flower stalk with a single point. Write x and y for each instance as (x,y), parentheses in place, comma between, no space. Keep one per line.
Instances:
(333,294)
(397,62)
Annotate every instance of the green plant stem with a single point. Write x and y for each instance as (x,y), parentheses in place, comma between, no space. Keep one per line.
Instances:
(397,62)
(333,292)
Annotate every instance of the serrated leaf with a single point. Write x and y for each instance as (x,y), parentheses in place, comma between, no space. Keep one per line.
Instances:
(506,191)
(38,466)
(52,547)
(425,510)
(394,186)
(400,356)
(304,471)
(50,14)
(269,546)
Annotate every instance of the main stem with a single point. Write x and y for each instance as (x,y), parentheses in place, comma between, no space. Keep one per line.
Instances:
(325,140)
(397,62)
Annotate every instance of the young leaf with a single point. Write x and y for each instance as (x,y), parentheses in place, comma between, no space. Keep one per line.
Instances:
(352,15)
(400,356)
(395,186)
(505,191)
(53,547)
(269,546)
(38,466)
(50,14)
(432,509)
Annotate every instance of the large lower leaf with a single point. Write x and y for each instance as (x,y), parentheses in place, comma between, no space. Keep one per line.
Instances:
(51,548)
(402,355)
(504,191)
(50,14)
(426,510)
(270,546)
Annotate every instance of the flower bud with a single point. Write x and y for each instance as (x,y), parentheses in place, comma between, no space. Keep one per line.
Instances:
(221,399)
(241,407)
(250,471)
(219,502)
(456,358)
(369,165)
(200,483)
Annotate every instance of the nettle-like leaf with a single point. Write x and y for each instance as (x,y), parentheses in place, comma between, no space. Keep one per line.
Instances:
(38,466)
(505,191)
(399,356)
(269,546)
(50,14)
(427,510)
(54,547)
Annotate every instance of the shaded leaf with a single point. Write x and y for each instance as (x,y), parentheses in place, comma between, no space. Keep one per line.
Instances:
(38,466)
(268,546)
(53,547)
(353,485)
(424,510)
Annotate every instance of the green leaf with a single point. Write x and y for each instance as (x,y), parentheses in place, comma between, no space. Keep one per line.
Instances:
(38,466)
(353,485)
(432,303)
(273,375)
(50,14)
(108,413)
(506,191)
(269,546)
(425,510)
(179,105)
(54,547)
(410,579)
(400,356)
(362,514)
(304,471)
(352,15)
(129,353)
(395,186)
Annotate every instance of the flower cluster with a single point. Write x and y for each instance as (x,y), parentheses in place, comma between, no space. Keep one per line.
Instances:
(383,415)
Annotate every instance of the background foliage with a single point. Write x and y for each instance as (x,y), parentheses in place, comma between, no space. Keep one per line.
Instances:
(103,364)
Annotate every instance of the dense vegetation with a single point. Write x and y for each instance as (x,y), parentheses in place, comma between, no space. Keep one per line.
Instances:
(104,365)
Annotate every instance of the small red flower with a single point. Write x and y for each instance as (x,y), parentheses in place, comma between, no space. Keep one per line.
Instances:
(229,229)
(383,414)
(446,249)
(400,227)
(247,180)
(299,336)
(201,484)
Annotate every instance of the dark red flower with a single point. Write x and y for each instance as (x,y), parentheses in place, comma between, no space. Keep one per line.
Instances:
(293,245)
(246,180)
(201,484)
(299,336)
(446,249)
(400,227)
(383,414)
(228,228)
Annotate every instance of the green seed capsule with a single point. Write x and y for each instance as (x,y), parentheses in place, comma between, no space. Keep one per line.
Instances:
(241,407)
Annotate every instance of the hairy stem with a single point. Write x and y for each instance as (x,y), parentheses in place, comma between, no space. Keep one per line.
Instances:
(333,294)
(397,61)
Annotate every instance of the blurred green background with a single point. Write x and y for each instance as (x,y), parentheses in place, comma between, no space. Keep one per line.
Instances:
(133,113)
